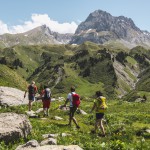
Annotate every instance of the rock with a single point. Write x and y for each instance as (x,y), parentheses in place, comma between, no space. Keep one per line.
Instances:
(51,147)
(31,114)
(82,112)
(58,118)
(53,99)
(39,110)
(12,97)
(67,108)
(49,135)
(49,141)
(13,126)
(65,134)
(147,130)
(61,98)
(29,144)
(140,100)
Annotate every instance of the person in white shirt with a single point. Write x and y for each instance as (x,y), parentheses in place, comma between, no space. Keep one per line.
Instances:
(72,107)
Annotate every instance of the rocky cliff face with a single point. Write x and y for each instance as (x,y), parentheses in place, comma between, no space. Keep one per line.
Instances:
(101,27)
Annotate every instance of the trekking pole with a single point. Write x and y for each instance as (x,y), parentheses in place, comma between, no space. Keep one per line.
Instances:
(22,100)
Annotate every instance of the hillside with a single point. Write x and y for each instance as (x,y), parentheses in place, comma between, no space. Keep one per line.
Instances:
(10,78)
(88,66)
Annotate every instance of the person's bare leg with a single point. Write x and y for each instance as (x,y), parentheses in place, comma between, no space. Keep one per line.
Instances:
(30,105)
(102,127)
(47,112)
(70,118)
(75,121)
(96,125)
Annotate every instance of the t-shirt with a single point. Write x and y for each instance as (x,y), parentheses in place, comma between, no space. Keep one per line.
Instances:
(70,98)
(32,89)
(100,104)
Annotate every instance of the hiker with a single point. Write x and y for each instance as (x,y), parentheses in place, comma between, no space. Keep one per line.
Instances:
(100,107)
(46,99)
(32,90)
(74,100)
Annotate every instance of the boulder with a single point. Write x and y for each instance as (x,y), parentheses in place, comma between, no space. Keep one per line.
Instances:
(12,97)
(29,144)
(50,147)
(13,126)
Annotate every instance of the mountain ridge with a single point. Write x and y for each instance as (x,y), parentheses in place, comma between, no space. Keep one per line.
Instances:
(99,27)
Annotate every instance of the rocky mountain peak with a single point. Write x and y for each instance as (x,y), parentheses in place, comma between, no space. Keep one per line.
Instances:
(103,21)
(101,27)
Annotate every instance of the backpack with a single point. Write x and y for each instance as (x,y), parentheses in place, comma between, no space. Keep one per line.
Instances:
(31,90)
(47,94)
(101,105)
(76,100)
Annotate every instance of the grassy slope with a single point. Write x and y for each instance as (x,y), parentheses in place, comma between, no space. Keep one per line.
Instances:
(126,126)
(84,87)
(10,78)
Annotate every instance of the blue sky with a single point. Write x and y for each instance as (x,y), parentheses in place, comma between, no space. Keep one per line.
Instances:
(64,15)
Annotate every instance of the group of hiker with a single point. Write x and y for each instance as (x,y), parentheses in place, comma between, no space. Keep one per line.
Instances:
(73,98)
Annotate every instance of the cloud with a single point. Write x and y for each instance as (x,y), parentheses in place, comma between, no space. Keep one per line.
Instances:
(38,20)
(3,28)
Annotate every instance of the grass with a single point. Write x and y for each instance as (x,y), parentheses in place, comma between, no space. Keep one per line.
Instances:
(10,78)
(124,123)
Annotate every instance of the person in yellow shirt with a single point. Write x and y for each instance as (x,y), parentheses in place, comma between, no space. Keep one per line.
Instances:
(100,107)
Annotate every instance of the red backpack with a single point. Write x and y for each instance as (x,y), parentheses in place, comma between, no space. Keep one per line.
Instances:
(76,100)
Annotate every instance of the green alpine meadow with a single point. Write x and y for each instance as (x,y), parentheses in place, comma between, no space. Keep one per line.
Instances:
(89,67)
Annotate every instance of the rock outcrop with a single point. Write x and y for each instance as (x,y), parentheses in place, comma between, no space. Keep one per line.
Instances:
(33,145)
(12,97)
(13,126)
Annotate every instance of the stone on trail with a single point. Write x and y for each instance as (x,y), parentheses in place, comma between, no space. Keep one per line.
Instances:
(31,114)
(50,135)
(12,97)
(82,112)
(49,141)
(13,127)
(58,118)
(39,110)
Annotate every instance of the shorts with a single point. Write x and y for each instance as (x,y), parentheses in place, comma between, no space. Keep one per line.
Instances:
(72,111)
(99,116)
(46,103)
(31,97)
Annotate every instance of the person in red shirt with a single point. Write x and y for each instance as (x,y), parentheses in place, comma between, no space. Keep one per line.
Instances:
(32,90)
(46,99)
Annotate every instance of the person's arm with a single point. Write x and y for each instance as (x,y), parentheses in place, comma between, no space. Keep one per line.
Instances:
(94,106)
(35,89)
(67,100)
(25,93)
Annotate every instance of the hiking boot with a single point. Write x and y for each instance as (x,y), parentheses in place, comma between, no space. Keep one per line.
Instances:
(93,132)
(78,127)
(101,135)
